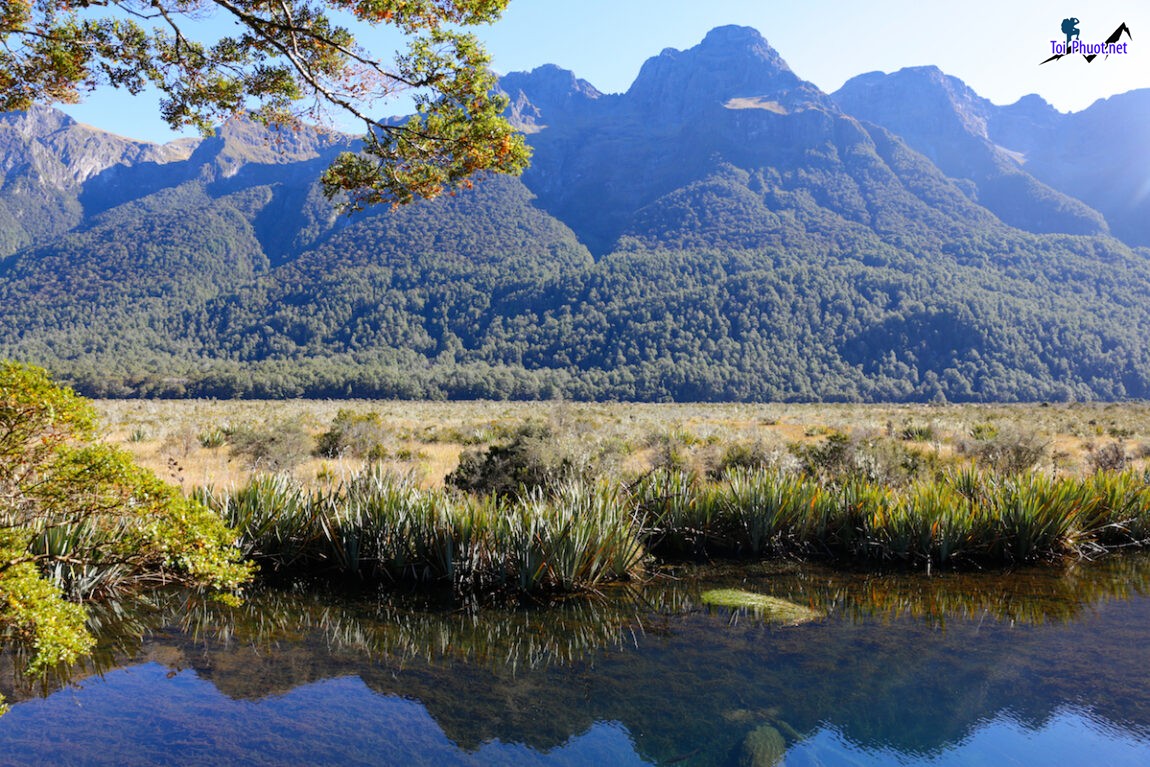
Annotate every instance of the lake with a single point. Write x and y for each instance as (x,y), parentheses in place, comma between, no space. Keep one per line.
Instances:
(1039,666)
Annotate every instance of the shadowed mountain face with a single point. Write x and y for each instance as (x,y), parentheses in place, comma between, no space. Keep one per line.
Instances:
(943,119)
(722,230)
(1098,155)
(46,159)
(1034,167)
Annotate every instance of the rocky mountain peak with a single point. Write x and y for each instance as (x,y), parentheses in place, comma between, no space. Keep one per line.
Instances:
(731,62)
(38,121)
(1032,103)
(544,94)
(59,151)
(914,94)
(240,141)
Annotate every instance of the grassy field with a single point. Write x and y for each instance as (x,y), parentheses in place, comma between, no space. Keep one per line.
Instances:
(192,442)
(565,496)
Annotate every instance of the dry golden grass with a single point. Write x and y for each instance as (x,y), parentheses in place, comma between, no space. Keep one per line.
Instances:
(428,437)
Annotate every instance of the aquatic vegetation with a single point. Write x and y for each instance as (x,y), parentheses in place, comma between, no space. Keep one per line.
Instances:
(769,608)
(764,746)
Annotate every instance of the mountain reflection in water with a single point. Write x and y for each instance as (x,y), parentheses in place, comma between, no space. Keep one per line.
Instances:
(1037,666)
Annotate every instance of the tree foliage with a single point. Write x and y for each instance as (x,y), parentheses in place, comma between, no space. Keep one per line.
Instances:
(289,60)
(79,520)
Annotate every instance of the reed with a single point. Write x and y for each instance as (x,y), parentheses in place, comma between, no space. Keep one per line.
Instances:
(275,519)
(73,555)
(758,505)
(582,538)
(965,517)
(668,501)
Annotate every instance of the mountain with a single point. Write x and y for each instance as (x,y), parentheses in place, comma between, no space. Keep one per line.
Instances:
(46,158)
(721,231)
(950,124)
(1097,155)
(687,114)
(1035,168)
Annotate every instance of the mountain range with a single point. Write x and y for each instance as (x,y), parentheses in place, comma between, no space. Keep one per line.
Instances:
(723,230)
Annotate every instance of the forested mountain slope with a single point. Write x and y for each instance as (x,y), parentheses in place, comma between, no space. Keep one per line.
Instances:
(723,230)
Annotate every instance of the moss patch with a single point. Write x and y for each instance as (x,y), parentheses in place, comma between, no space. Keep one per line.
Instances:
(770,608)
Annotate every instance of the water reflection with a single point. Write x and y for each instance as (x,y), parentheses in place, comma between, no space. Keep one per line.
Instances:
(901,669)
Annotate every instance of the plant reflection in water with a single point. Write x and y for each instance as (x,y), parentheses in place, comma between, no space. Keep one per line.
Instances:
(909,666)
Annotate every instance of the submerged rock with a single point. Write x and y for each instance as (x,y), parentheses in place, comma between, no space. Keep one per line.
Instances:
(764,746)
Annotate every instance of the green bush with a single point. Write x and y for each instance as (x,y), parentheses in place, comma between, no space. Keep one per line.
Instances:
(78,519)
(360,435)
(274,448)
(534,461)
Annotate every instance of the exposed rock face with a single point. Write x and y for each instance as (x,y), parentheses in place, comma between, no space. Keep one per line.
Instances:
(63,152)
(730,62)
(545,93)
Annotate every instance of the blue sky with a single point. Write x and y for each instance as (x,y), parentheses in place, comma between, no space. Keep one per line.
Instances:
(994,46)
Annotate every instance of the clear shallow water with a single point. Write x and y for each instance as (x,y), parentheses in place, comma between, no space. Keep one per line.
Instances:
(1045,667)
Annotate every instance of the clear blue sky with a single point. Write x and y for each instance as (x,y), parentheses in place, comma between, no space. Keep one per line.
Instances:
(995,46)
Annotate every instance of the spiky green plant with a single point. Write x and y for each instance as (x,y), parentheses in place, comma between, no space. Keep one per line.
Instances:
(1123,512)
(377,525)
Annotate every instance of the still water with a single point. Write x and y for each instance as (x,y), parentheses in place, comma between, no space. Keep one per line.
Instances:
(1050,666)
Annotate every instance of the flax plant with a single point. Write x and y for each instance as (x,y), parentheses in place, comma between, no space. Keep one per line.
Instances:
(377,526)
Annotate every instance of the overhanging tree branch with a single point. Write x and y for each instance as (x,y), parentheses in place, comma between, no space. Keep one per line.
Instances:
(286,51)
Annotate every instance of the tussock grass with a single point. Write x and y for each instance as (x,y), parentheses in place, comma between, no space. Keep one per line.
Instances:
(376,525)
(965,517)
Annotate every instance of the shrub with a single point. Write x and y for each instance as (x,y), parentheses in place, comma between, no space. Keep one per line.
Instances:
(278,447)
(215,437)
(180,443)
(984,431)
(744,455)
(917,433)
(79,519)
(1008,452)
(840,459)
(533,461)
(357,434)
(1110,457)
(672,449)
